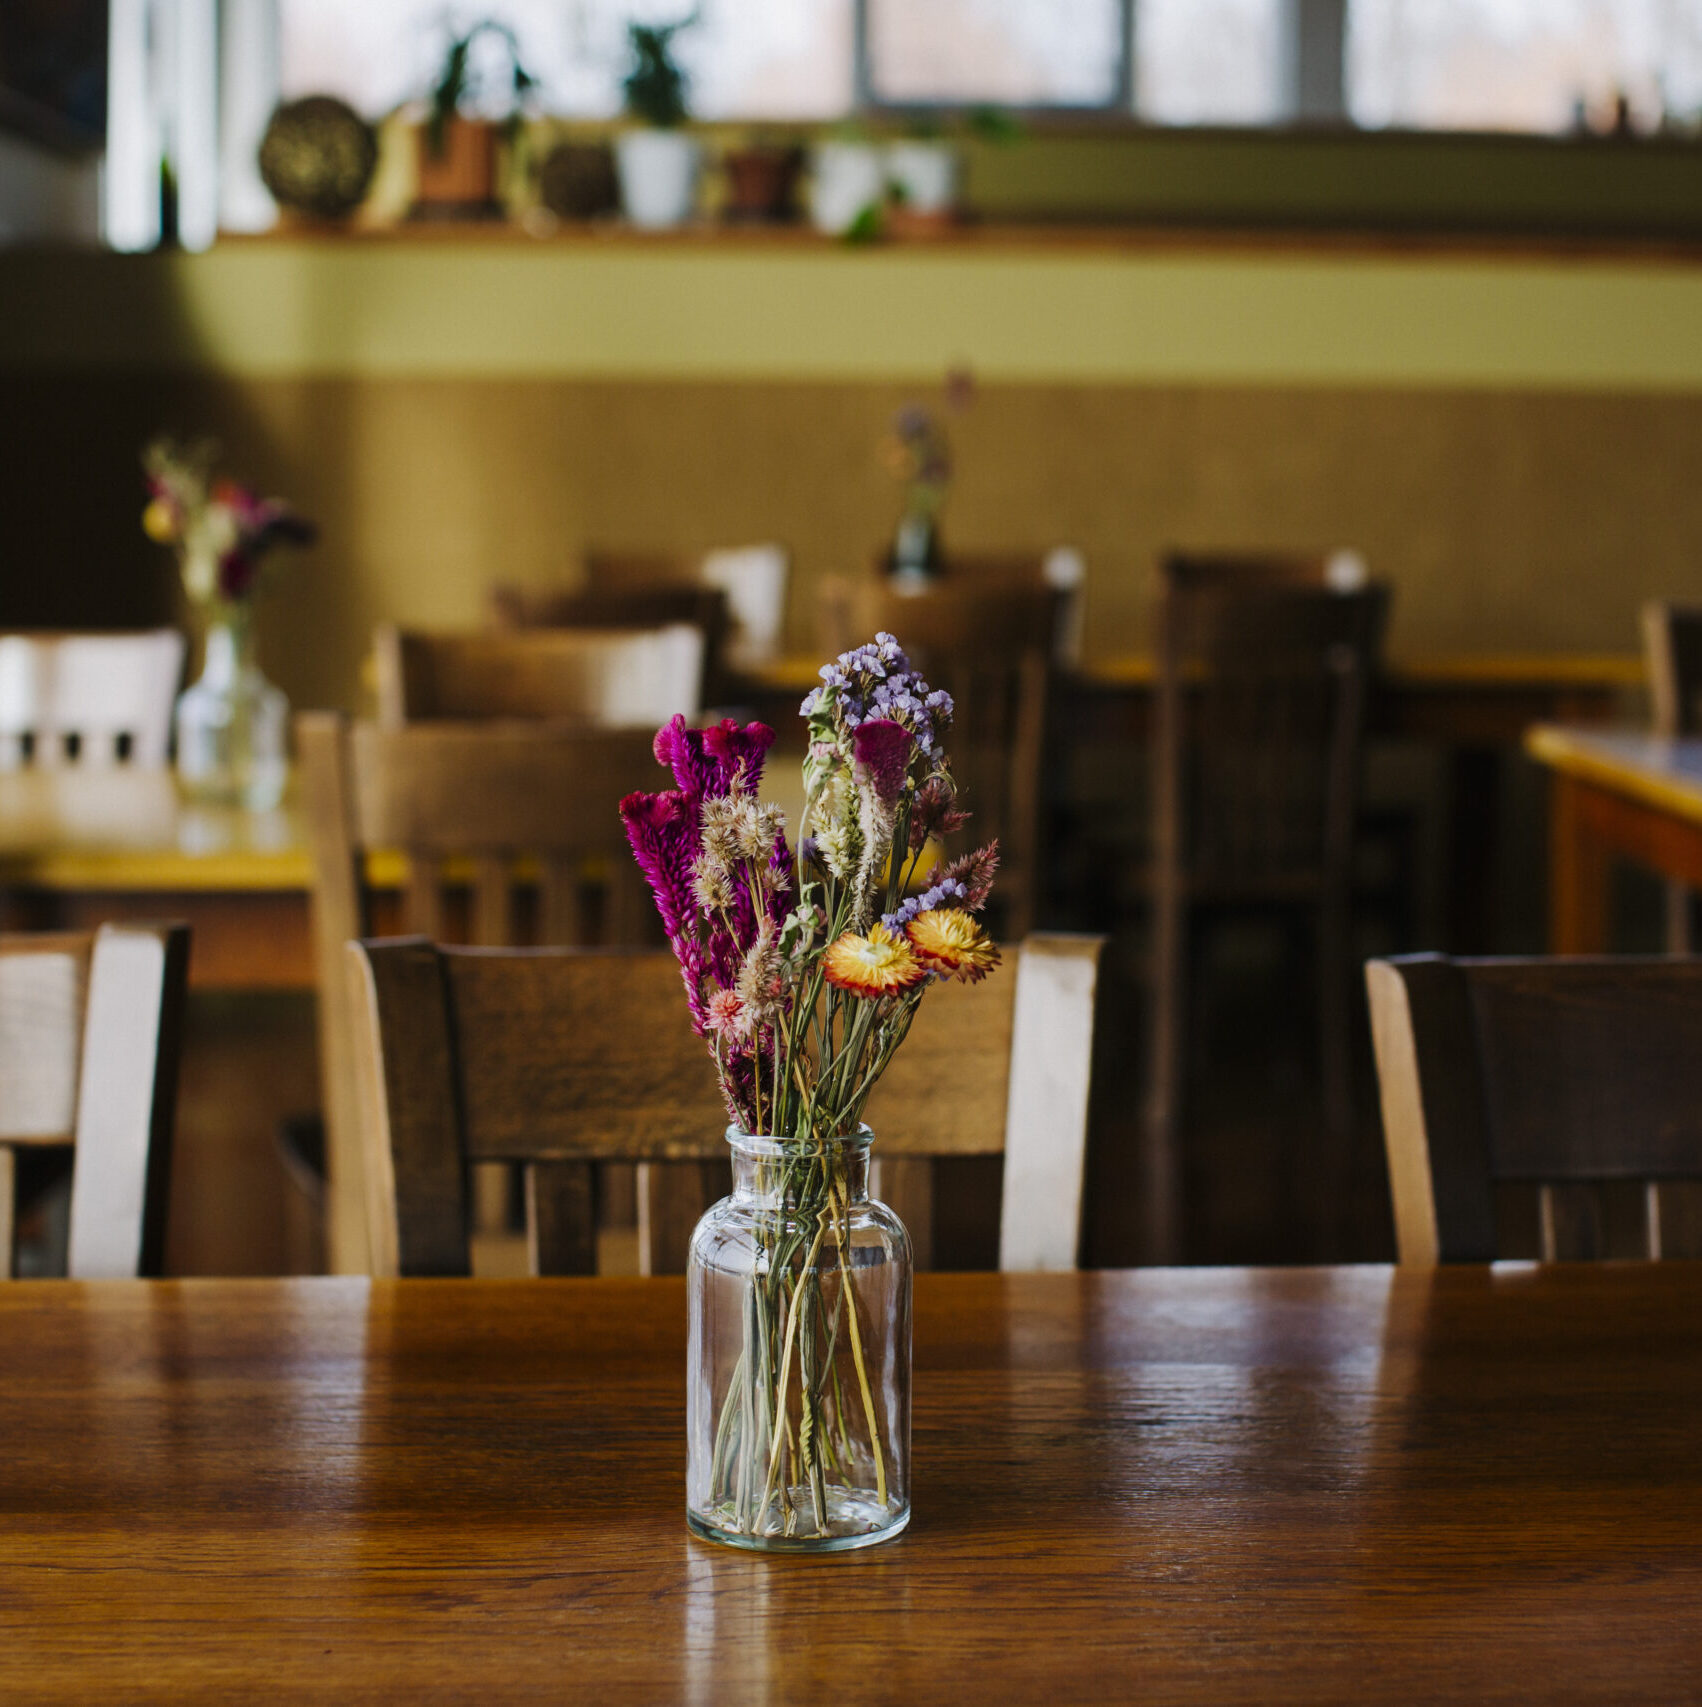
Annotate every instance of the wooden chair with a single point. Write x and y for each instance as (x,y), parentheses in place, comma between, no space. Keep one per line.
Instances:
(90,1030)
(605,677)
(88,699)
(559,1058)
(753,578)
(644,605)
(1553,1074)
(1256,744)
(497,824)
(1672,651)
(991,649)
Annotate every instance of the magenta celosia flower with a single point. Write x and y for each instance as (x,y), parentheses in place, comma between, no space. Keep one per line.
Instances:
(881,748)
(706,761)
(663,832)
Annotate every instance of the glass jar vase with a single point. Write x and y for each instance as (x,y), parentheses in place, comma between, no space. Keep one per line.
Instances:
(232,725)
(798,1387)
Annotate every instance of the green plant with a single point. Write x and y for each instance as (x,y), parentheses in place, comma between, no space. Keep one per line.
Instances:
(457,81)
(655,86)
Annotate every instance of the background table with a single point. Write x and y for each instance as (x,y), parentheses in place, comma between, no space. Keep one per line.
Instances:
(1231,1485)
(1616,794)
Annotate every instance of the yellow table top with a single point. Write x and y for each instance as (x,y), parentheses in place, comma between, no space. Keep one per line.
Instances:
(1655,770)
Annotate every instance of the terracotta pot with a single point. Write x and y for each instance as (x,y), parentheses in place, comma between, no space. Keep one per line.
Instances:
(461,179)
(762,182)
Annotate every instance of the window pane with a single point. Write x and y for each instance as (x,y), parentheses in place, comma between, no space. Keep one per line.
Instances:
(1206,61)
(1521,64)
(745,58)
(1020,53)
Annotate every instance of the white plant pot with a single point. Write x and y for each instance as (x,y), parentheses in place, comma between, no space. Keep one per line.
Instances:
(925,175)
(847,177)
(658,176)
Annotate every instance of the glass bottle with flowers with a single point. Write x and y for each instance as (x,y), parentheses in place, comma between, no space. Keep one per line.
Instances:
(802,975)
(232,725)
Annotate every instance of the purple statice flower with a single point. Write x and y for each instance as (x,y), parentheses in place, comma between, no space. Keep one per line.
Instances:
(881,747)
(947,892)
(875,681)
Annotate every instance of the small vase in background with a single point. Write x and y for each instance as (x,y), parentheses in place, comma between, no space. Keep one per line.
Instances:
(232,725)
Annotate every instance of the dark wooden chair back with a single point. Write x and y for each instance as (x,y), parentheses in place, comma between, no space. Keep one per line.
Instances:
(495,833)
(1558,1076)
(1242,571)
(604,677)
(1672,650)
(990,648)
(90,1031)
(1260,717)
(673,596)
(560,1058)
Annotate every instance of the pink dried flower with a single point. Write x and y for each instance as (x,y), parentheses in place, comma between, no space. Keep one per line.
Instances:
(727,1014)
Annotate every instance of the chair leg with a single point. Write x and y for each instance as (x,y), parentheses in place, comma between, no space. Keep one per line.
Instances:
(1335,1059)
(1681,938)
(1166,1065)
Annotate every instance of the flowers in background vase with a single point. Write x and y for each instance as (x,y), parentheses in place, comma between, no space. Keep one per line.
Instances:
(220,531)
(917,453)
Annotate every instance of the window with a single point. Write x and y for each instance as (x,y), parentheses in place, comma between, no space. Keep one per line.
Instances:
(779,59)
(1015,53)
(1531,65)
(1208,61)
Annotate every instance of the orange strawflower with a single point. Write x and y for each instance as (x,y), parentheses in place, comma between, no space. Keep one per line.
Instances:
(880,964)
(949,940)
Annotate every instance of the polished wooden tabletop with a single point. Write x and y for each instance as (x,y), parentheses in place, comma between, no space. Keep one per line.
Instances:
(1230,1485)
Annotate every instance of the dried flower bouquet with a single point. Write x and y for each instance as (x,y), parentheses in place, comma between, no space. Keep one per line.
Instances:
(803,974)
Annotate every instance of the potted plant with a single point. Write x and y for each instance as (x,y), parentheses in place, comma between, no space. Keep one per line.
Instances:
(848,182)
(924,168)
(762,180)
(458,152)
(658,164)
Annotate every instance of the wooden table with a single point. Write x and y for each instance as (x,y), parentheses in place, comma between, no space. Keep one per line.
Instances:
(1615,795)
(1185,1485)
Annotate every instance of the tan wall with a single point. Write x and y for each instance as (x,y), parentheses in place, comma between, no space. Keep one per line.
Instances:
(1519,521)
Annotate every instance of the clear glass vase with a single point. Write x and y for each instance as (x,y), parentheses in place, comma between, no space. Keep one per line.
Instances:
(232,725)
(798,1387)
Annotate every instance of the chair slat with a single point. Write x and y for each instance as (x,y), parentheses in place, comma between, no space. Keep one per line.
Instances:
(561,1221)
(422,902)
(672,1197)
(561,908)
(493,901)
(906,1186)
